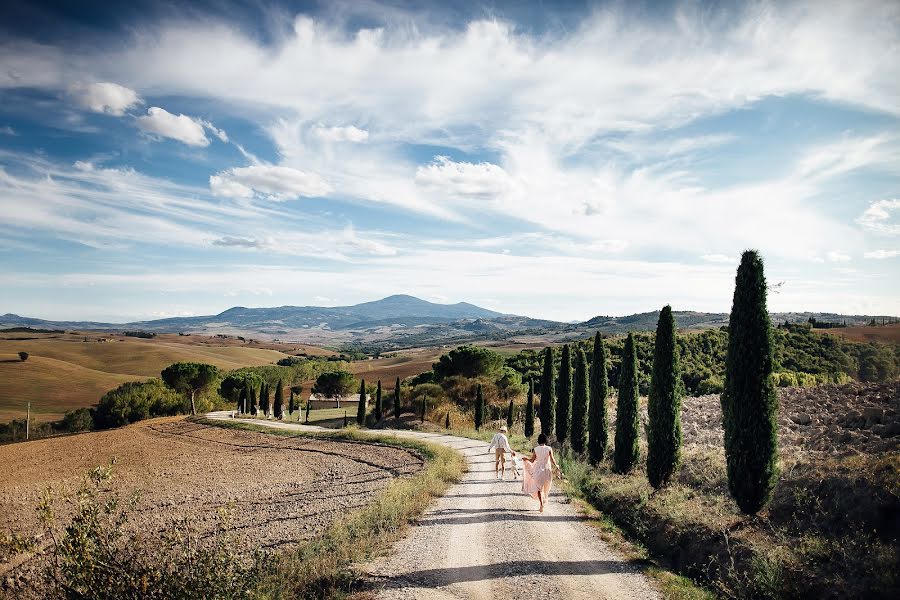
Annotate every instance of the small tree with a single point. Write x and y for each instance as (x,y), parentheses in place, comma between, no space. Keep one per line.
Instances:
(479,408)
(361,407)
(379,408)
(279,400)
(749,402)
(597,420)
(242,401)
(23,356)
(664,404)
(345,418)
(424,406)
(397,401)
(245,394)
(627,451)
(334,384)
(548,395)
(190,379)
(308,406)
(529,410)
(564,401)
(579,433)
(447,421)
(254,406)
(264,399)
(509,414)
(291,404)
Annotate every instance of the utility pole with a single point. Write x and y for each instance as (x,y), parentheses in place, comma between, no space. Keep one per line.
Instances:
(27,421)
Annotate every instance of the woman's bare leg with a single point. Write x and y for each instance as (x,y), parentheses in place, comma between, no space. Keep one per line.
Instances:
(541,499)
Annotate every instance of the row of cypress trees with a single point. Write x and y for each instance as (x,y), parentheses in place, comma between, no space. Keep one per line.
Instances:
(250,402)
(749,402)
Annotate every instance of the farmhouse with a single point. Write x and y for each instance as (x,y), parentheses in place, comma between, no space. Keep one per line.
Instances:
(349,401)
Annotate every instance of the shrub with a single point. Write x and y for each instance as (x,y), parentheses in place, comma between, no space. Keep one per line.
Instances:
(78,420)
(23,356)
(137,400)
(711,385)
(749,402)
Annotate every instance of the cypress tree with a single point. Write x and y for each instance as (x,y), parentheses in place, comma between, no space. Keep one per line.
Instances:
(242,400)
(264,399)
(291,403)
(564,401)
(397,401)
(529,410)
(279,401)
(664,404)
(579,433)
(598,424)
(509,415)
(548,395)
(345,418)
(749,401)
(447,421)
(424,406)
(308,405)
(627,451)
(379,409)
(479,408)
(361,408)
(253,404)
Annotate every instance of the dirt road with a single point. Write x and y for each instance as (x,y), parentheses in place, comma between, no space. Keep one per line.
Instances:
(484,539)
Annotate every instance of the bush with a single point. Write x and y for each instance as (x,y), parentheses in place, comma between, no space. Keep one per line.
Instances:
(23,356)
(711,385)
(77,420)
(137,400)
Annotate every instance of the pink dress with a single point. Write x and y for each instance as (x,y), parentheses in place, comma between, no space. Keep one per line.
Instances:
(538,474)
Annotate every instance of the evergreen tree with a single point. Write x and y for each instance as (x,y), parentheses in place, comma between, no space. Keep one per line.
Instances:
(424,406)
(253,404)
(479,408)
(308,406)
(598,423)
(264,399)
(749,402)
(447,421)
(291,403)
(397,401)
(509,415)
(361,410)
(242,400)
(564,401)
(579,433)
(345,418)
(279,401)
(627,451)
(379,409)
(664,404)
(548,395)
(529,410)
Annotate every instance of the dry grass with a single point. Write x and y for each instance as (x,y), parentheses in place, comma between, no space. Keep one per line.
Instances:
(403,365)
(885,334)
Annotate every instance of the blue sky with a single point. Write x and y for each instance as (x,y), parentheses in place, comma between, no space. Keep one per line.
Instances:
(556,160)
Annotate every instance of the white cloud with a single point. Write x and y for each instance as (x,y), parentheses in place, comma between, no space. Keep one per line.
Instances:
(268,181)
(189,130)
(463,178)
(880,217)
(719,258)
(340,134)
(109,98)
(881,254)
(7,130)
(839,257)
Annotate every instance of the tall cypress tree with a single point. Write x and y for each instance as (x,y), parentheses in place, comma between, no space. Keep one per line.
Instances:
(361,408)
(579,434)
(379,409)
(397,400)
(279,400)
(627,451)
(308,406)
(598,422)
(509,415)
(564,401)
(264,398)
(529,410)
(749,402)
(548,395)
(242,400)
(253,405)
(664,404)
(424,406)
(291,403)
(479,408)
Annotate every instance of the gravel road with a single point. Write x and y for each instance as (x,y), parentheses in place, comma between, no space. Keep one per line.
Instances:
(485,539)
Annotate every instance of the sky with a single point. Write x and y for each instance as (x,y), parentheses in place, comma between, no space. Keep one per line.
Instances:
(558,160)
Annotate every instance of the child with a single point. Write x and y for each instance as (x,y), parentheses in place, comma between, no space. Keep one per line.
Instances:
(539,471)
(500,446)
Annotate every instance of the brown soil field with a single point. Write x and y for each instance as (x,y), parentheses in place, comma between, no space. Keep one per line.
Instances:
(886,334)
(278,490)
(403,365)
(65,372)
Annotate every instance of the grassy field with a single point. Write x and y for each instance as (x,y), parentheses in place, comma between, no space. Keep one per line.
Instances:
(403,365)
(64,372)
(885,334)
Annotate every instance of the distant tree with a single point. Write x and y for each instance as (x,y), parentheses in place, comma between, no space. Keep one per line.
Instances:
(424,406)
(291,403)
(579,433)
(345,418)
(564,401)
(361,407)
(379,408)
(254,404)
(308,406)
(447,421)
(334,384)
(469,361)
(548,395)
(78,420)
(627,450)
(664,404)
(233,385)
(749,402)
(529,410)
(23,356)
(397,400)
(190,379)
(246,395)
(279,400)
(134,401)
(479,408)
(242,401)
(598,422)
(509,415)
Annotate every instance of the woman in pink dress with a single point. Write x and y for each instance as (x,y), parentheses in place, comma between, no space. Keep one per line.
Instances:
(538,471)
